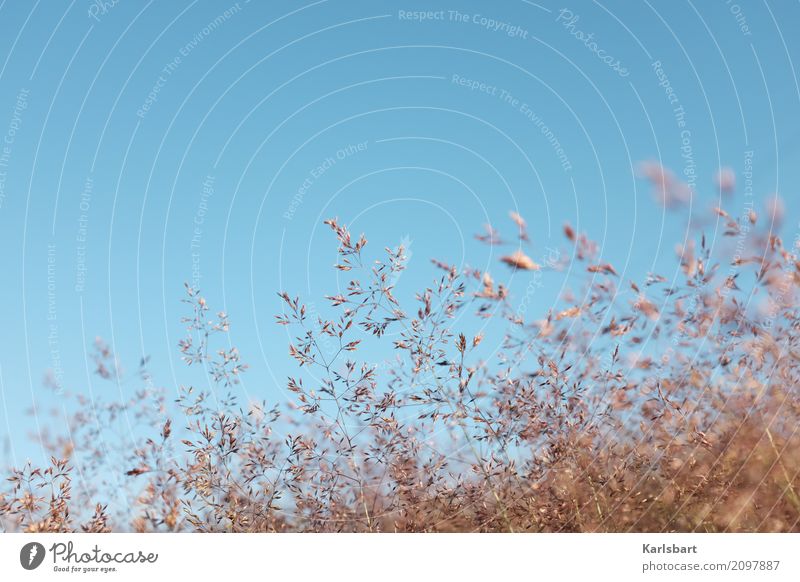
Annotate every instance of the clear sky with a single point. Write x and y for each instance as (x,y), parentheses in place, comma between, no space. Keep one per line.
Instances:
(148,144)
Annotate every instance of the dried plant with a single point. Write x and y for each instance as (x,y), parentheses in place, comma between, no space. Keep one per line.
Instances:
(649,405)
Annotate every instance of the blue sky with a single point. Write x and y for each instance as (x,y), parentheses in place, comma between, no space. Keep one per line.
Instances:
(151,144)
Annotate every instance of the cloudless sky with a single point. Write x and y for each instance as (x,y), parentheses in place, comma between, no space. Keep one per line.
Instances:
(148,144)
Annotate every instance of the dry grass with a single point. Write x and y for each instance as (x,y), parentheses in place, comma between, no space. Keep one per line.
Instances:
(650,405)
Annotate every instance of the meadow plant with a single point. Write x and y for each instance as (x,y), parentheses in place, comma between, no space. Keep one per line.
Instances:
(641,405)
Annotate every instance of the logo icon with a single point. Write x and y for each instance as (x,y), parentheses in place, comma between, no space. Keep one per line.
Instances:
(31,555)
